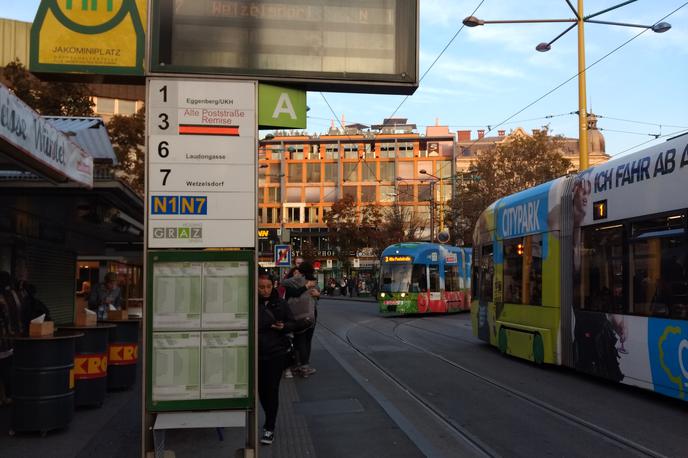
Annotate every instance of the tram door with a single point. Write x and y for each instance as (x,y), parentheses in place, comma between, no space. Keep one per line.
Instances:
(434,291)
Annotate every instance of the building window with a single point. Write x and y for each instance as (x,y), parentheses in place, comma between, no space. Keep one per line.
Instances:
(329,194)
(313,173)
(295,173)
(332,152)
(273,195)
(313,152)
(387,171)
(405,149)
(424,193)
(126,107)
(405,169)
(369,151)
(350,172)
(387,150)
(405,192)
(296,152)
(293,214)
(350,191)
(368,172)
(294,195)
(105,105)
(443,168)
(312,194)
(311,216)
(331,172)
(387,194)
(350,151)
(367,193)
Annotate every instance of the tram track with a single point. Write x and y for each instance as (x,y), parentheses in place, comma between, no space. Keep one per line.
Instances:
(480,448)
(544,406)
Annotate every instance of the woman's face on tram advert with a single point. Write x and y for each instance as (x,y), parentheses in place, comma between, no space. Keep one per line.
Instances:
(264,287)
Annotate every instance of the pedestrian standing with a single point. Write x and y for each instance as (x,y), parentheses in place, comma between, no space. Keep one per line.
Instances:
(302,294)
(274,348)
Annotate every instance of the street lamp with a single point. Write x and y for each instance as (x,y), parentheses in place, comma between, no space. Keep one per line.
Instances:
(579,21)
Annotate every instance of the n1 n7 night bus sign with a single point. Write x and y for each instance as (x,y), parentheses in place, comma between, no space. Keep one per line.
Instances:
(201,163)
(352,46)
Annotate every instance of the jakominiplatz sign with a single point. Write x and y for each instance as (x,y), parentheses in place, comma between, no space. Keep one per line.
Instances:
(89,36)
(361,46)
(35,143)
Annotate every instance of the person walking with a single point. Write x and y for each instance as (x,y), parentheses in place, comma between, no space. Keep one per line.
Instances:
(274,349)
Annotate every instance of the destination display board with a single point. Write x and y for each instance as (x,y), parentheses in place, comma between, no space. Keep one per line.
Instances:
(199,325)
(201,163)
(361,45)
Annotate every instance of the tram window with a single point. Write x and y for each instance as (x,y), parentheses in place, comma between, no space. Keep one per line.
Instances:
(659,267)
(451,278)
(523,270)
(602,274)
(434,278)
(419,281)
(395,277)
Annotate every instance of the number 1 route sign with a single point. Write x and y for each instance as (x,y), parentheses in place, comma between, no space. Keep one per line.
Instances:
(282,256)
(201,163)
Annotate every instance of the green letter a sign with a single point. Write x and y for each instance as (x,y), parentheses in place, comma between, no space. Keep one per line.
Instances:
(281,107)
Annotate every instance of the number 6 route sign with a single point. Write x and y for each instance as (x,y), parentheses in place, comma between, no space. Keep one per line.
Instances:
(282,256)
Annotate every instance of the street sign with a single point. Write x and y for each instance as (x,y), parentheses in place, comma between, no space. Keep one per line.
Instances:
(281,107)
(201,163)
(282,256)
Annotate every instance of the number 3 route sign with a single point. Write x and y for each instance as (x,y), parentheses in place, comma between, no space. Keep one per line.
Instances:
(282,256)
(201,163)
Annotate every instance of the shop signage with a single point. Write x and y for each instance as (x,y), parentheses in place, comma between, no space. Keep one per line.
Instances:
(36,144)
(281,107)
(89,36)
(201,156)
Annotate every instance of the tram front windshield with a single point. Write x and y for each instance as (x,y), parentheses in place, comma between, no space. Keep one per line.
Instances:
(402,278)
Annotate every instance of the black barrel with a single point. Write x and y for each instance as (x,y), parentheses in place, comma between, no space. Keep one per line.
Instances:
(43,387)
(91,364)
(123,354)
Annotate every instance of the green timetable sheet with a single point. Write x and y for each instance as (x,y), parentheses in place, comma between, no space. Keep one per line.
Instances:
(177,293)
(225,295)
(176,366)
(225,364)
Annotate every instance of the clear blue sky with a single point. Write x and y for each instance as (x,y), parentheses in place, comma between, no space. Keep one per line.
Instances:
(489,73)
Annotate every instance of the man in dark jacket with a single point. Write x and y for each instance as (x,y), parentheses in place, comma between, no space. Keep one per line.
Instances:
(274,349)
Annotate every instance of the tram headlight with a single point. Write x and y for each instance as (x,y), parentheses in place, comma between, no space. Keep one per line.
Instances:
(382,294)
(403,295)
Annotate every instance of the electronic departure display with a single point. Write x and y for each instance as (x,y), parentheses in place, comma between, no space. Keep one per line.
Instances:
(357,46)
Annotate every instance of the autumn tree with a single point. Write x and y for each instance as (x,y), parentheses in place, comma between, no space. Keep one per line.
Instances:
(48,99)
(127,134)
(518,163)
(401,224)
(351,228)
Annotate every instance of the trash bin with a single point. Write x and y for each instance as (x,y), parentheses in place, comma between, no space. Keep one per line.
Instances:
(43,387)
(123,354)
(91,364)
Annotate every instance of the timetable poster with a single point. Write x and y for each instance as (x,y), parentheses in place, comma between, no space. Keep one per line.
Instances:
(225,295)
(177,295)
(224,364)
(176,366)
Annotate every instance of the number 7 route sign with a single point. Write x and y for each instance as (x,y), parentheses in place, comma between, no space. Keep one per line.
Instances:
(282,256)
